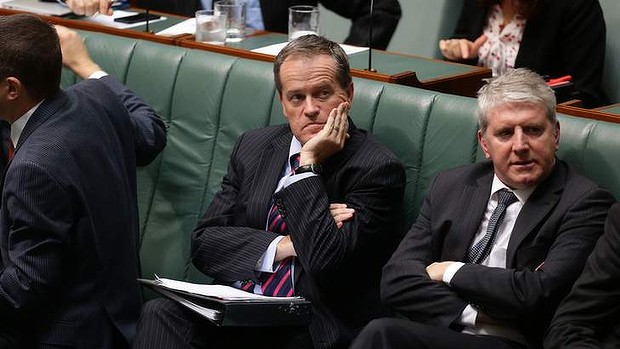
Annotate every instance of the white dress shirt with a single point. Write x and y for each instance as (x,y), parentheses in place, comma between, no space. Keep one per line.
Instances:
(496,257)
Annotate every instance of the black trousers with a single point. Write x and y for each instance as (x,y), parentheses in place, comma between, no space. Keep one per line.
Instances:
(167,324)
(388,333)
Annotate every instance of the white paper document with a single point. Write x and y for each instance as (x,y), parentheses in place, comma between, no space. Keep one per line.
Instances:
(211,314)
(217,291)
(188,26)
(276,48)
(109,20)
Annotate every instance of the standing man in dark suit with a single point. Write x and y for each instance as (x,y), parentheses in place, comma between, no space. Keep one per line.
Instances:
(588,317)
(69,218)
(497,244)
(274,13)
(340,207)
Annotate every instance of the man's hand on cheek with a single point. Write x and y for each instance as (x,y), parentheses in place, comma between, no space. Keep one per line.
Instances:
(330,140)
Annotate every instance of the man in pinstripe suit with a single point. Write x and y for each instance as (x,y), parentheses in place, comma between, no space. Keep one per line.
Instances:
(467,278)
(69,217)
(343,219)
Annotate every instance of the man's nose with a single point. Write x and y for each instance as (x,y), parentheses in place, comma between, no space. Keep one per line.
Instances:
(311,107)
(520,141)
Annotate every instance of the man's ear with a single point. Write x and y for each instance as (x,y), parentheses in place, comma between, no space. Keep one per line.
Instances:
(557,135)
(350,92)
(14,88)
(483,144)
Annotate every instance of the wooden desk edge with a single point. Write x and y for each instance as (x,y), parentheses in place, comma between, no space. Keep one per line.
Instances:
(596,114)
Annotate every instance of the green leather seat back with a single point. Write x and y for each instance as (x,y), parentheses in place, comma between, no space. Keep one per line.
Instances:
(592,147)
(611,75)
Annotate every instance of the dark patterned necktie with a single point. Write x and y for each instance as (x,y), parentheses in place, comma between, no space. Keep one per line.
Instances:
(482,248)
(280,282)
(11,152)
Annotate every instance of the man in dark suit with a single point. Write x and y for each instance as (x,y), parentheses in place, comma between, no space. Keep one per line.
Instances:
(340,208)
(497,244)
(69,218)
(588,317)
(386,15)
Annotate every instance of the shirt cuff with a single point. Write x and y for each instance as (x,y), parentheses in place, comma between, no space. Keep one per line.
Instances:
(468,316)
(266,261)
(98,74)
(450,271)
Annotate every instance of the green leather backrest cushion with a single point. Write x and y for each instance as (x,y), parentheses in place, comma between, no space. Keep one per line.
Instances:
(209,99)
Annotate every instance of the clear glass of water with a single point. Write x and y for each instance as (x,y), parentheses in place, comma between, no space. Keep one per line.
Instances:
(235,11)
(210,27)
(302,20)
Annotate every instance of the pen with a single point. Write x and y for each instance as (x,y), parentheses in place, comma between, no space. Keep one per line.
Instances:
(539,266)
(560,80)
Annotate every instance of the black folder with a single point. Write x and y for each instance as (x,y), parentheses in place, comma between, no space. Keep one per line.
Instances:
(246,312)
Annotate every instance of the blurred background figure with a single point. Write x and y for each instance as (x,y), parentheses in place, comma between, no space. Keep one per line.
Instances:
(273,15)
(555,38)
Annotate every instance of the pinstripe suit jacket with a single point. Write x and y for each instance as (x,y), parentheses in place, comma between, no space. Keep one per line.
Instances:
(340,268)
(69,220)
(558,225)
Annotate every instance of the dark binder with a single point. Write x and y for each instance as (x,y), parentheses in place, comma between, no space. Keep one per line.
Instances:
(247,312)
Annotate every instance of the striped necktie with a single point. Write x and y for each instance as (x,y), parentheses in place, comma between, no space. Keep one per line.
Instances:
(280,282)
(482,248)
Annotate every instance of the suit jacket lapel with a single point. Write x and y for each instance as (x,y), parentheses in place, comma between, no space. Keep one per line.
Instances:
(473,203)
(537,207)
(271,162)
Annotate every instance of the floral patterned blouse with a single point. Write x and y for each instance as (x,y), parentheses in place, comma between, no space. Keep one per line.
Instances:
(500,50)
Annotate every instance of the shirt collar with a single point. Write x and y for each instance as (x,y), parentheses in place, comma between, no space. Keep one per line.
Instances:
(521,194)
(295,147)
(17,127)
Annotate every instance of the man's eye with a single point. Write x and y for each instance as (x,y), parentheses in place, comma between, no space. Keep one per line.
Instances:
(534,131)
(324,94)
(504,134)
(295,98)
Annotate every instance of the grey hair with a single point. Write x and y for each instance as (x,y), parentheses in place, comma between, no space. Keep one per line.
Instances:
(516,86)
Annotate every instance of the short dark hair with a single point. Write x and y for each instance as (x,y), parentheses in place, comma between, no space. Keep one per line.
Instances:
(30,52)
(312,46)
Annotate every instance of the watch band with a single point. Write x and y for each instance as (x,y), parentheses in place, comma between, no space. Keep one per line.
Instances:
(314,168)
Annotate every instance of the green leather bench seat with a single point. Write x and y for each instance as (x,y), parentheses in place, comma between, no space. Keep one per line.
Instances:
(209,99)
